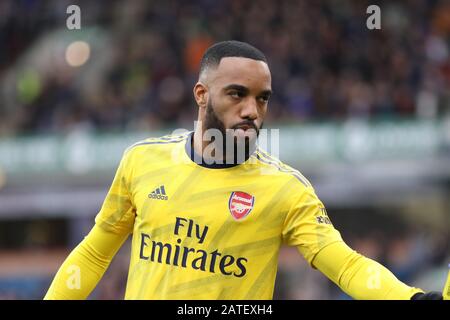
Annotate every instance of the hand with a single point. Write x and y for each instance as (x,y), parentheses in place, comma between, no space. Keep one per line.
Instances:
(432,295)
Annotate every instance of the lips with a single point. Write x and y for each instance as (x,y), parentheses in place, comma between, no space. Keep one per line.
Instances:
(246,127)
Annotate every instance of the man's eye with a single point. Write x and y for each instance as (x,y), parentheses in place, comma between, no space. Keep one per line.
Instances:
(264,98)
(236,94)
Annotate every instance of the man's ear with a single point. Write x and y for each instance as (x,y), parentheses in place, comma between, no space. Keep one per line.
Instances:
(201,94)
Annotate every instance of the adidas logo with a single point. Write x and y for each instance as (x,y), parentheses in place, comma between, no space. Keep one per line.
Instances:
(159,194)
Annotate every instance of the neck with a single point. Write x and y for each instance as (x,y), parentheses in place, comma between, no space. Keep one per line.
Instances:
(197,141)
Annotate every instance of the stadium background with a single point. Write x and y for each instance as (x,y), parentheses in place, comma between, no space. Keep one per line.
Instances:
(364,114)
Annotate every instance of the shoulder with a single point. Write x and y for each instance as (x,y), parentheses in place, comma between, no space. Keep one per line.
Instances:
(153,148)
(280,168)
(154,142)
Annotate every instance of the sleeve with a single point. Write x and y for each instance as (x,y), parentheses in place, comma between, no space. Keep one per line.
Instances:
(85,266)
(307,225)
(360,277)
(118,212)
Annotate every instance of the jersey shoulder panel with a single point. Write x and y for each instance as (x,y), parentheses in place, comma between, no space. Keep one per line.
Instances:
(166,143)
(155,141)
(265,158)
(149,151)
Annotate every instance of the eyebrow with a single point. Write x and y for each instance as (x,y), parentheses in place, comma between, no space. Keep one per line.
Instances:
(244,89)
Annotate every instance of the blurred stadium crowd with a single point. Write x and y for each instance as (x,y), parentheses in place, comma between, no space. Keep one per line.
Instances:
(326,65)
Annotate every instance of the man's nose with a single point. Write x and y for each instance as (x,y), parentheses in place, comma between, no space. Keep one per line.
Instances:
(250,109)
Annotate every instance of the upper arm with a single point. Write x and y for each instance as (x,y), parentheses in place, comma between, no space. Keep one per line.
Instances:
(307,225)
(118,212)
(103,244)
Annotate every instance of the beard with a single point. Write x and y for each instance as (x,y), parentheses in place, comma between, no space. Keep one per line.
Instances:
(235,148)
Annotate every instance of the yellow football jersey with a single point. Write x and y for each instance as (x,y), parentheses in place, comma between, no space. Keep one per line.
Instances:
(209,231)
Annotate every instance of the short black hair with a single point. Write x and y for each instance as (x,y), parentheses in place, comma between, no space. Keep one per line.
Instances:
(231,48)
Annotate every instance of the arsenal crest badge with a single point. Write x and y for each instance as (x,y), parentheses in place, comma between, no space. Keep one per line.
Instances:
(240,204)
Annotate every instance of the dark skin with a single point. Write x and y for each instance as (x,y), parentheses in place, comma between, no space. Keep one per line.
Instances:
(237,91)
